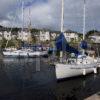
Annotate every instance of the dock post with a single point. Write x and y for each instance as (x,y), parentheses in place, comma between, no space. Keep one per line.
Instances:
(84,72)
(95,70)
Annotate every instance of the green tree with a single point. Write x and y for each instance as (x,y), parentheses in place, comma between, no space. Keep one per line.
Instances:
(91,32)
(34,30)
(33,39)
(17,42)
(15,30)
(3,43)
(11,43)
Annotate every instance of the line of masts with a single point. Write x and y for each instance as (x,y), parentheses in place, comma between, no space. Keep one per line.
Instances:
(84,18)
(62,22)
(23,16)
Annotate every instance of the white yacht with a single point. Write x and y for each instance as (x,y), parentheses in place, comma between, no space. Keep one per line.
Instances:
(37,53)
(15,53)
(81,66)
(24,53)
(10,53)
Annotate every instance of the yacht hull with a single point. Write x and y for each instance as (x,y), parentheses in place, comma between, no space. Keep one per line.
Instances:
(24,53)
(10,54)
(72,70)
(15,54)
(37,53)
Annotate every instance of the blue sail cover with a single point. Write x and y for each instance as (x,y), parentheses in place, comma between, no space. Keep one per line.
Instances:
(83,44)
(62,45)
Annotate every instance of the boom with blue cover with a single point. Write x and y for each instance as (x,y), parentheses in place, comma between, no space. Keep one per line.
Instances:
(83,44)
(62,45)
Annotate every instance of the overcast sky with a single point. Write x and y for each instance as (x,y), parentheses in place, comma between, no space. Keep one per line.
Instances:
(46,14)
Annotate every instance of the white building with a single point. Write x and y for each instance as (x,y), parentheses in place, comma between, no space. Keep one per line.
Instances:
(7,35)
(24,36)
(95,38)
(1,33)
(53,36)
(71,36)
(44,36)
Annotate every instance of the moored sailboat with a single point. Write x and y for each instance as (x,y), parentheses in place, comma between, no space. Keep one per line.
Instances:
(80,66)
(23,52)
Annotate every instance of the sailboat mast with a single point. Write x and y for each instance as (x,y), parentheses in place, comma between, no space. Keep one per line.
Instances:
(22,15)
(84,18)
(29,26)
(62,26)
(22,18)
(29,18)
(62,16)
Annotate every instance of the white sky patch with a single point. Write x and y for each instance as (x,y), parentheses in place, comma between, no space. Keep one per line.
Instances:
(5,23)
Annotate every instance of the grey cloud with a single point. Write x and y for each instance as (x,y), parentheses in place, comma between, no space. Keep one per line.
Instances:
(48,14)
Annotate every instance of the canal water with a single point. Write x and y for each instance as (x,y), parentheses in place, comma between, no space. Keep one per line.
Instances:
(34,79)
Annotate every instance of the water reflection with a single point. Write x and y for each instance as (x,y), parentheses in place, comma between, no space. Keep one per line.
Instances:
(78,88)
(20,79)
